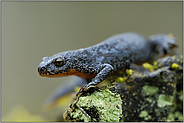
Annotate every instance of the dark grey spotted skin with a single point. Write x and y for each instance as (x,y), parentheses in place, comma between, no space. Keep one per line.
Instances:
(111,55)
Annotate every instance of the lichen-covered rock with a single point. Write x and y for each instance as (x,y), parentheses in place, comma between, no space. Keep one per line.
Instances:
(99,106)
(176,113)
(142,93)
(150,95)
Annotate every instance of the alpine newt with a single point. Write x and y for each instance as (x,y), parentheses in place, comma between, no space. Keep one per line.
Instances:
(97,62)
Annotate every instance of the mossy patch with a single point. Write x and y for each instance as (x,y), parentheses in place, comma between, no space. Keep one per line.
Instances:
(176,115)
(164,100)
(100,106)
(143,114)
(149,90)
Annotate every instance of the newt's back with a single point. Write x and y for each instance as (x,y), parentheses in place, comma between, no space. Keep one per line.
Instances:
(120,50)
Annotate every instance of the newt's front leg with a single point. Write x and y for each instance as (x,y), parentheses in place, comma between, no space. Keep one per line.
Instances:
(105,71)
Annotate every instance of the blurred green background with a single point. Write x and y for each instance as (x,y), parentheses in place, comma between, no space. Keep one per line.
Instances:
(32,30)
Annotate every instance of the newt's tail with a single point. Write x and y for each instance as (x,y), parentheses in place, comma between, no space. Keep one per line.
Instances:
(64,91)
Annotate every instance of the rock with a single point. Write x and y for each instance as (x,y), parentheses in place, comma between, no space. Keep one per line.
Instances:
(153,93)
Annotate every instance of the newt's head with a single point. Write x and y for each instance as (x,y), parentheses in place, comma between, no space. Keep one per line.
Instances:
(55,66)
(64,64)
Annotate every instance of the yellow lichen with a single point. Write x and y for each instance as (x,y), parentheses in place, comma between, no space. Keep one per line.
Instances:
(129,71)
(174,66)
(147,66)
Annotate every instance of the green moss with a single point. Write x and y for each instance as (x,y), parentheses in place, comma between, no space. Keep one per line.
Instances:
(149,117)
(164,100)
(176,115)
(171,117)
(79,113)
(143,114)
(150,100)
(149,90)
(101,106)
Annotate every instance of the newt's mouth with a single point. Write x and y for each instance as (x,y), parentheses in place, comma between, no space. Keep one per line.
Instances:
(45,73)
(55,75)
(51,73)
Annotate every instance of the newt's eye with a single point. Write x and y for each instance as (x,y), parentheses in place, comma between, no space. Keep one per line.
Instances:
(59,62)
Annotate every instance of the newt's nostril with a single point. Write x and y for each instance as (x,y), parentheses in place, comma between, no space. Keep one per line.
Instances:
(44,58)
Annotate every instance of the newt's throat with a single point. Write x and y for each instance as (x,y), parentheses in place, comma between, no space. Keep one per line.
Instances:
(71,72)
